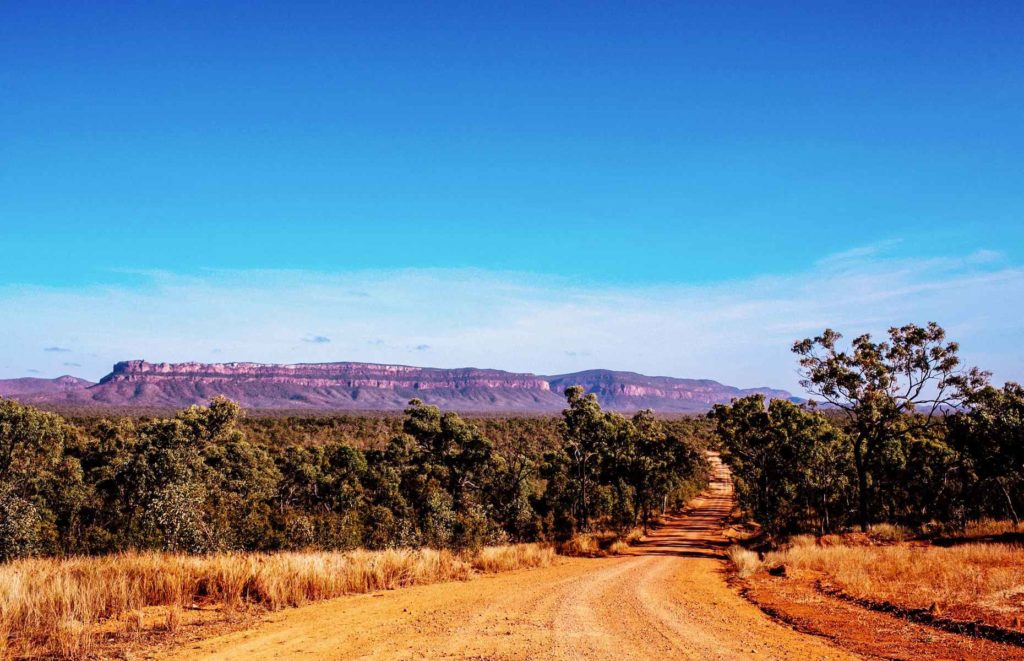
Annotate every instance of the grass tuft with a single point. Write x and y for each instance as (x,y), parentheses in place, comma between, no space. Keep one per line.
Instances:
(581,545)
(744,560)
(887,532)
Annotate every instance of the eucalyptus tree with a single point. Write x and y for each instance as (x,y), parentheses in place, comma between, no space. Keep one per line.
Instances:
(586,433)
(886,389)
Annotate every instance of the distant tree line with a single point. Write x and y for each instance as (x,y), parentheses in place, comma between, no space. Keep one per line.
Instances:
(904,435)
(209,479)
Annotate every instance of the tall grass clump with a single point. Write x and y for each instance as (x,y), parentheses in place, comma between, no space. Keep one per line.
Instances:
(581,545)
(744,560)
(54,606)
(518,556)
(888,532)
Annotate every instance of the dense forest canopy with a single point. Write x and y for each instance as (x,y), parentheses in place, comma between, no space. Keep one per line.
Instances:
(208,478)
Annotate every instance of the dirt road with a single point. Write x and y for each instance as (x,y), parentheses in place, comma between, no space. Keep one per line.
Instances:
(668,599)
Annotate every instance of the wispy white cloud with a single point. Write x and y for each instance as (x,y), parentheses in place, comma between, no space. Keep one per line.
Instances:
(738,332)
(858,254)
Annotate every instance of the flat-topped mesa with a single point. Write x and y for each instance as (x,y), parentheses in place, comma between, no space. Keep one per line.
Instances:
(371,387)
(326,375)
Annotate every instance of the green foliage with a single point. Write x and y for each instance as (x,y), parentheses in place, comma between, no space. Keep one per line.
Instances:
(910,438)
(890,448)
(791,466)
(618,471)
(19,525)
(989,438)
(882,388)
(209,478)
(40,485)
(176,512)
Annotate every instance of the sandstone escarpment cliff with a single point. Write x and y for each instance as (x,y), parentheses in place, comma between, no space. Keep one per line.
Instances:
(373,387)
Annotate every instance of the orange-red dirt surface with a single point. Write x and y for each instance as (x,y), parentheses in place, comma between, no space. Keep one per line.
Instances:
(667,599)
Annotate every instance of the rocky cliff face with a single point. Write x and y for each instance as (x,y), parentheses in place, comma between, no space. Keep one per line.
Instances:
(372,387)
(325,375)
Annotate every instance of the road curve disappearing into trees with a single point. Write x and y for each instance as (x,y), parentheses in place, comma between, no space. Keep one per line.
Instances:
(667,599)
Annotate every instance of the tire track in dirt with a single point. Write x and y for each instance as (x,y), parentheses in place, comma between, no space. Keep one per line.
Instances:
(667,599)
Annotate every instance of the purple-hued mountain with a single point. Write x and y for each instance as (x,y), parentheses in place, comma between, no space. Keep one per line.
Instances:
(36,386)
(368,387)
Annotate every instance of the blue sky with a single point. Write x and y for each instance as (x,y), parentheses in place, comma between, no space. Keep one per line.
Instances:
(551,166)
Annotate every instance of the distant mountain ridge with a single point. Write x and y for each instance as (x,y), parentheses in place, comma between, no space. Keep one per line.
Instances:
(350,386)
(35,385)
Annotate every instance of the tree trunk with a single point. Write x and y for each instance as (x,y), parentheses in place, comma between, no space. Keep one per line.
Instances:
(585,513)
(1009,503)
(862,484)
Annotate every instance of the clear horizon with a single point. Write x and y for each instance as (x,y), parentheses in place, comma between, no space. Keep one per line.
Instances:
(679,191)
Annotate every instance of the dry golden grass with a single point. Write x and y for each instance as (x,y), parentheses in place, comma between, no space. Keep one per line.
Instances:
(618,547)
(599,544)
(56,606)
(887,532)
(633,536)
(973,580)
(990,528)
(520,556)
(745,561)
(581,545)
(801,541)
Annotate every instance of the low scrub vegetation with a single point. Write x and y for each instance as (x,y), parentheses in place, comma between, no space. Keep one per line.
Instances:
(517,556)
(970,581)
(59,606)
